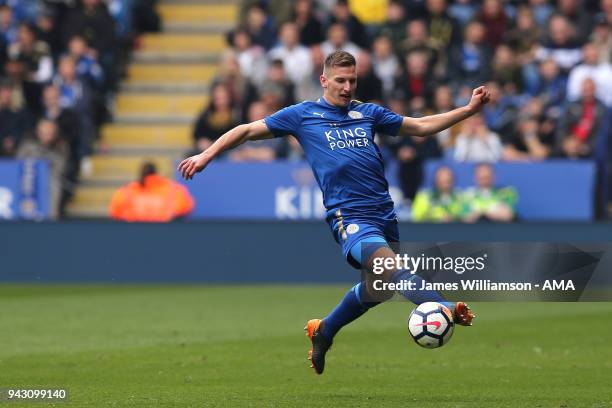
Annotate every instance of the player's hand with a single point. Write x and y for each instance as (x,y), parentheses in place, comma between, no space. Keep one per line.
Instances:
(480,97)
(192,165)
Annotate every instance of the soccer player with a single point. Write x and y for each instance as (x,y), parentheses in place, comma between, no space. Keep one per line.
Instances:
(337,135)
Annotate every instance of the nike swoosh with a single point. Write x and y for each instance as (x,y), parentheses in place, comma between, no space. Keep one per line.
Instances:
(437,324)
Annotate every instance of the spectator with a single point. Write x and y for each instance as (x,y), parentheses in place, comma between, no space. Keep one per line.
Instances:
(251,57)
(469,61)
(219,117)
(8,25)
(385,63)
(337,39)
(311,29)
(416,80)
(442,203)
(500,113)
(69,127)
(486,202)
(418,40)
(261,150)
(533,136)
(242,90)
(14,71)
(13,121)
(561,44)
(37,62)
(394,27)
(551,86)
(355,31)
(90,72)
(412,153)
(442,28)
(49,32)
(46,144)
(370,86)
(312,85)
(94,23)
(476,143)
(602,38)
(606,10)
(87,67)
(496,22)
(524,36)
(122,13)
(272,95)
(75,94)
(153,198)
(260,27)
(296,58)
(507,70)
(575,14)
(601,73)
(581,122)
(277,77)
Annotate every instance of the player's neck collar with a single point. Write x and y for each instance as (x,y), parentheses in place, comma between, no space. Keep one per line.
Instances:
(324,102)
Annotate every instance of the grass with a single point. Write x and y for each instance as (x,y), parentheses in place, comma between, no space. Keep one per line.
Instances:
(199,346)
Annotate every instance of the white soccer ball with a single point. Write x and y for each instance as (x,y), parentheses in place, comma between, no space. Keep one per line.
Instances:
(431,324)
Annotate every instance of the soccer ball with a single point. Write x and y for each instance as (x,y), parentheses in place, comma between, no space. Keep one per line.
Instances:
(431,325)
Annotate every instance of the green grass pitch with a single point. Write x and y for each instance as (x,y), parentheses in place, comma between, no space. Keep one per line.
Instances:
(199,346)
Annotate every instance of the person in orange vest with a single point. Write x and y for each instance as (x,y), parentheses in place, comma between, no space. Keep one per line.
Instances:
(153,198)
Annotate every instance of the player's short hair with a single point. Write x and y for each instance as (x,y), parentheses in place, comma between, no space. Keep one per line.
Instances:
(338,59)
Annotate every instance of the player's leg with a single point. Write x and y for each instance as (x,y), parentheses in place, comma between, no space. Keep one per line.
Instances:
(356,301)
(322,331)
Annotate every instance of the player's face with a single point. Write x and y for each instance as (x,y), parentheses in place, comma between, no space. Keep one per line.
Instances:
(339,85)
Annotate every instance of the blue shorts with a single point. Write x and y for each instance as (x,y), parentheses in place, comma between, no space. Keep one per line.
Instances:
(349,228)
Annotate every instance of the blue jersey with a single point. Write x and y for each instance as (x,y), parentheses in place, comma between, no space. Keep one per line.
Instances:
(339,145)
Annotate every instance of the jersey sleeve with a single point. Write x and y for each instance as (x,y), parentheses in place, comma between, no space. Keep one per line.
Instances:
(386,121)
(285,121)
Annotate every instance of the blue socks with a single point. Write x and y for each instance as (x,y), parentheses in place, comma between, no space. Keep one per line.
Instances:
(420,296)
(350,308)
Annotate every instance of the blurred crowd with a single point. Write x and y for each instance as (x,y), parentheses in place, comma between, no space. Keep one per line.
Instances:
(60,63)
(547,65)
(484,202)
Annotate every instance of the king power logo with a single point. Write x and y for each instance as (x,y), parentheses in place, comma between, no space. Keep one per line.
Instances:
(347,138)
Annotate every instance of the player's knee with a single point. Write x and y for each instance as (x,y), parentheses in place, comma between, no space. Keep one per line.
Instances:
(377,287)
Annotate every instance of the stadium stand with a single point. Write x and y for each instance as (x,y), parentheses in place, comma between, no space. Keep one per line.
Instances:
(166,86)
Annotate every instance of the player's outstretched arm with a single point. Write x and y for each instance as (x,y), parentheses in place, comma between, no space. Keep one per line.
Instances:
(242,133)
(429,125)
